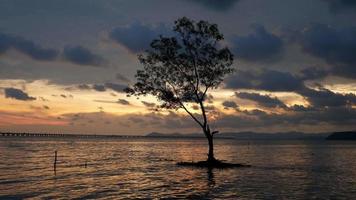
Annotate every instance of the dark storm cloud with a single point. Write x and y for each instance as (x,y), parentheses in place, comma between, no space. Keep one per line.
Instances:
(115,87)
(255,112)
(229,104)
(313,73)
(123,102)
(301,108)
(79,87)
(347,71)
(325,98)
(275,81)
(331,115)
(335,46)
(27,47)
(257,118)
(99,88)
(339,6)
(112,86)
(258,46)
(76,54)
(137,37)
(81,56)
(262,100)
(247,119)
(268,80)
(217,5)
(17,94)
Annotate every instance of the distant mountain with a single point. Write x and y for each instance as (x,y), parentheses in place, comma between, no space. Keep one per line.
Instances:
(347,135)
(275,136)
(247,135)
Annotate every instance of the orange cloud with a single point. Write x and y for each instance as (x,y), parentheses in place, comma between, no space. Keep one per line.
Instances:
(18,118)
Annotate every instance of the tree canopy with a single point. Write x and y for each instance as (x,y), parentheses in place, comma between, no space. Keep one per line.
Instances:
(182,68)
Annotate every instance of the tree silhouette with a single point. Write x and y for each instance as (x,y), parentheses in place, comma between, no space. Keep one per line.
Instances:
(180,70)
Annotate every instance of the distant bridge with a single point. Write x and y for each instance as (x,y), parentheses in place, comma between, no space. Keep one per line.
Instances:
(66,135)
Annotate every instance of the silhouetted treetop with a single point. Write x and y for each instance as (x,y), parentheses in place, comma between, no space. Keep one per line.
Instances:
(182,68)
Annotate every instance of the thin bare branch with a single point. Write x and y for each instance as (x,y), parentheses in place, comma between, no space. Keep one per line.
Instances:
(195,119)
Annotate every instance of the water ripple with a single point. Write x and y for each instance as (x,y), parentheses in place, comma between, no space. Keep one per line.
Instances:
(145,169)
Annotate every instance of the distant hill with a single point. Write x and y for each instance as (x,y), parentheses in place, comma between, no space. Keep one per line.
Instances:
(275,136)
(247,135)
(347,135)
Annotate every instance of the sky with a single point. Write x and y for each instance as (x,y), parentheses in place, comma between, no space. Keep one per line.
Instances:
(64,64)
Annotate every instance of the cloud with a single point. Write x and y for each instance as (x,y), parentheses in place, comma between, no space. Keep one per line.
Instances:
(195,107)
(75,54)
(258,119)
(79,87)
(43,99)
(148,122)
(83,87)
(99,88)
(220,5)
(300,108)
(313,73)
(148,104)
(258,46)
(241,120)
(81,56)
(17,94)
(269,80)
(339,6)
(336,46)
(262,100)
(137,37)
(324,98)
(115,86)
(333,45)
(275,81)
(229,104)
(123,102)
(122,78)
(27,47)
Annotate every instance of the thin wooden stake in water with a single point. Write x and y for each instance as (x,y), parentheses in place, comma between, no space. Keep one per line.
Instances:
(55,162)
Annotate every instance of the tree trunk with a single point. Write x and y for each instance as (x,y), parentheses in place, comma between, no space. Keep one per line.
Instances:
(211,157)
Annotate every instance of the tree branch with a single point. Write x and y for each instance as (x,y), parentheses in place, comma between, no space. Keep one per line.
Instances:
(185,108)
(195,119)
(204,93)
(204,114)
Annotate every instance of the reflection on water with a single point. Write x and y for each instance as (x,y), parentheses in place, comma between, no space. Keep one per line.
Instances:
(145,168)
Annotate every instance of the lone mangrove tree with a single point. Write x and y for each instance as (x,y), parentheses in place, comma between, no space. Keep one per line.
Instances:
(180,70)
